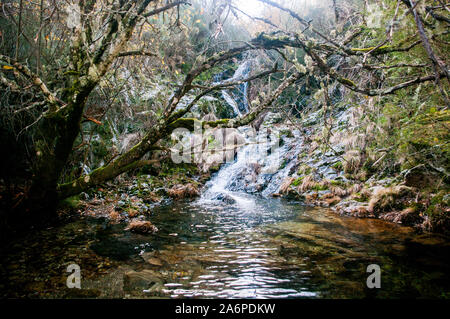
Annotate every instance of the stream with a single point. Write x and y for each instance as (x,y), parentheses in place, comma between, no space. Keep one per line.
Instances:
(229,244)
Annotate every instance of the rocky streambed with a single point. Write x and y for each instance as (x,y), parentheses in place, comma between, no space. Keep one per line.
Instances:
(255,248)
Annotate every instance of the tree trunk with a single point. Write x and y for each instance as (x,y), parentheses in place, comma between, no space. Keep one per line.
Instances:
(53,147)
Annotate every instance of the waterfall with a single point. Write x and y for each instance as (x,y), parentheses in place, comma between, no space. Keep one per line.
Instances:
(237,98)
(259,168)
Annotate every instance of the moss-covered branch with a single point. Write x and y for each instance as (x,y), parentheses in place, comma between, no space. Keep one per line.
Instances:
(53,101)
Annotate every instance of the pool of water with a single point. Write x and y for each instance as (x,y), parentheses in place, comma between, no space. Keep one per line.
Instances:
(254,247)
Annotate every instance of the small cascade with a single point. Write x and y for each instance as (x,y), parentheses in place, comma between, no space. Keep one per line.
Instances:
(260,168)
(231,102)
(237,97)
(289,162)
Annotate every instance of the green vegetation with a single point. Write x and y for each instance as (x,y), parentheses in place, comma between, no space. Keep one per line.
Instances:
(83,104)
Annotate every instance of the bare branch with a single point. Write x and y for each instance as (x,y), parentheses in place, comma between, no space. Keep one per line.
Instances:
(54,102)
(137,52)
(165,8)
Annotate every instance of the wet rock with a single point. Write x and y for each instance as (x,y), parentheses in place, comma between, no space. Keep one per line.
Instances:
(141,227)
(226,199)
(145,279)
(255,167)
(292,194)
(354,209)
(332,200)
(276,195)
(183,191)
(324,193)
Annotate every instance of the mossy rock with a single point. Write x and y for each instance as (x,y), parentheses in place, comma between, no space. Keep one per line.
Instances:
(320,187)
(298,181)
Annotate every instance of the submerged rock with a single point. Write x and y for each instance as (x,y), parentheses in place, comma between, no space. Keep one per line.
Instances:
(140,280)
(152,258)
(141,227)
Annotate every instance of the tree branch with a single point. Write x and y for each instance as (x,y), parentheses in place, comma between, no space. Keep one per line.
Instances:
(220,86)
(165,8)
(54,102)
(136,52)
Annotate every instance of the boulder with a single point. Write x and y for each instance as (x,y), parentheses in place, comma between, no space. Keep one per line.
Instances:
(226,199)
(183,191)
(141,227)
(388,198)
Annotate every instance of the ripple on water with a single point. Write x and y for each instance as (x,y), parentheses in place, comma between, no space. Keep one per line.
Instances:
(278,250)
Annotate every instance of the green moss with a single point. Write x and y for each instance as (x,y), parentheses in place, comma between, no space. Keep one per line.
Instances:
(347,82)
(319,187)
(374,49)
(337,166)
(338,183)
(298,181)
(70,202)
(283,165)
(360,197)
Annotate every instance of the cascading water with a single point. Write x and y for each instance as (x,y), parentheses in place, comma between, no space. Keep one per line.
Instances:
(237,98)
(260,167)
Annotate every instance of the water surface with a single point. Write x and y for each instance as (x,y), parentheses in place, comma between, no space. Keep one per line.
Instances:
(253,248)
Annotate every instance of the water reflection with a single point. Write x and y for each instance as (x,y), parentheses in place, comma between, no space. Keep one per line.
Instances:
(211,250)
